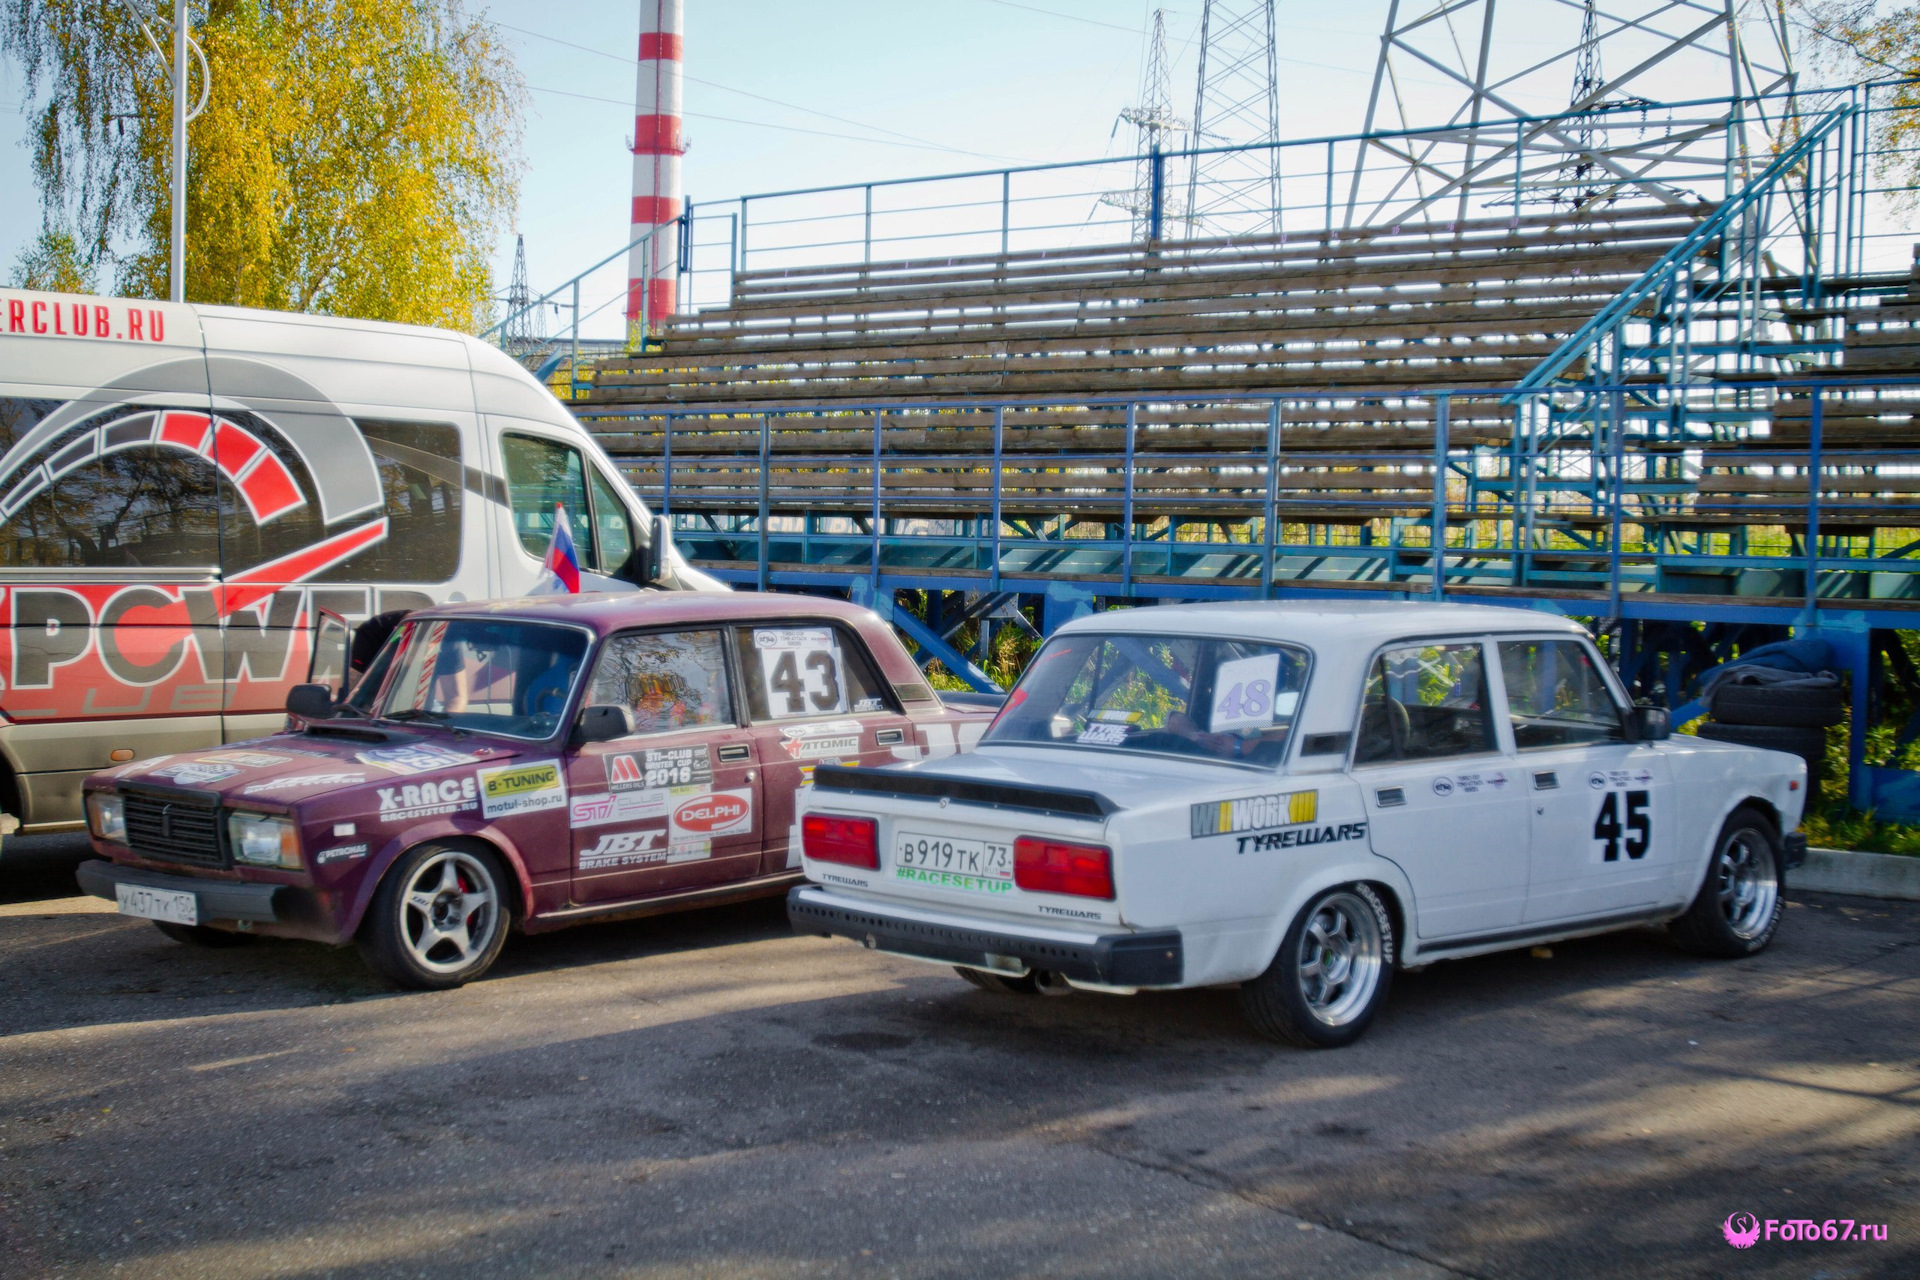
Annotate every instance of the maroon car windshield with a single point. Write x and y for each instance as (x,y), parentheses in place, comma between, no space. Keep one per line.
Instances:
(492,676)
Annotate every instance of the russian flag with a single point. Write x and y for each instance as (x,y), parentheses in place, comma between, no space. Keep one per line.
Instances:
(562,566)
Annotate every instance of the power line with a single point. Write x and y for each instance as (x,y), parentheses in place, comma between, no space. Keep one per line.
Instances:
(726,88)
(1070,17)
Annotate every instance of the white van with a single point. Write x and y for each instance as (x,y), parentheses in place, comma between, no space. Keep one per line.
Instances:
(183,490)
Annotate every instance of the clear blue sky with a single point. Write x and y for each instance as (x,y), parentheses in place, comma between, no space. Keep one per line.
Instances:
(782,94)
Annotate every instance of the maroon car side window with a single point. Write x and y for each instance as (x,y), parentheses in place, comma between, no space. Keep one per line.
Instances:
(668,679)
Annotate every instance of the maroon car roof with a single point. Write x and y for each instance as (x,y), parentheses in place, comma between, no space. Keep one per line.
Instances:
(608,611)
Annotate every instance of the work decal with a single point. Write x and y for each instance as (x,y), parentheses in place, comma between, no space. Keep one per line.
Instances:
(828,739)
(1252,813)
(424,758)
(302,782)
(405,802)
(800,671)
(659,767)
(608,807)
(222,639)
(1468,784)
(521,788)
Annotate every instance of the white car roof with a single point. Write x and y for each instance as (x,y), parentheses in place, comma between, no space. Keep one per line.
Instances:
(1318,624)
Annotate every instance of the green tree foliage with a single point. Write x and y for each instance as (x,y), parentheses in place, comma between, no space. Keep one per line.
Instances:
(1865,40)
(55,264)
(356,157)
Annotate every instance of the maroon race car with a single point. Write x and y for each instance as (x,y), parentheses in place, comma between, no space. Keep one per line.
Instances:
(534,763)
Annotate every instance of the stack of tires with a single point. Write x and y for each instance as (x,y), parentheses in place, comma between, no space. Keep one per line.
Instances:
(1781,714)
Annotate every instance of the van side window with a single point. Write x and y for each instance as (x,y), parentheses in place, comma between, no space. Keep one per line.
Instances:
(422,481)
(541,474)
(1425,702)
(612,529)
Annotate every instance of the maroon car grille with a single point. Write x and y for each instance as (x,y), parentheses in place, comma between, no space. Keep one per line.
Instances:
(173,830)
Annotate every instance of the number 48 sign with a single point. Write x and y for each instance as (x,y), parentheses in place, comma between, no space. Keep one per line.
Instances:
(800,671)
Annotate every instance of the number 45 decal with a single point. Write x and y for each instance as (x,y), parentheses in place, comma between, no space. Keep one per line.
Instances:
(1635,832)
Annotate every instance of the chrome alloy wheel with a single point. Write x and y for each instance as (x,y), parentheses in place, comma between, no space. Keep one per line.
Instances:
(1747,884)
(1341,955)
(449,911)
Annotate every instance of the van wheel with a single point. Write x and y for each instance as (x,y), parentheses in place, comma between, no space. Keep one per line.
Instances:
(1027,986)
(1331,974)
(200,935)
(1738,907)
(438,919)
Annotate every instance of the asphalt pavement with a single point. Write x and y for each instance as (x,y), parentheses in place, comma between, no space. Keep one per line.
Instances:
(708,1095)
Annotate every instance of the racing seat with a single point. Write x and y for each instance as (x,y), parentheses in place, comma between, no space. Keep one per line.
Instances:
(546,693)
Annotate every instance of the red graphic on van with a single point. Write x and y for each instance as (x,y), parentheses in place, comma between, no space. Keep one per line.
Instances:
(712,815)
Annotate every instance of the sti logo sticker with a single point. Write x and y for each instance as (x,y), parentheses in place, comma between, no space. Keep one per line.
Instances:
(719,814)
(521,789)
(1250,813)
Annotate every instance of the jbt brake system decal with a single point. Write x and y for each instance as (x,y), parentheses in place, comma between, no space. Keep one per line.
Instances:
(196,640)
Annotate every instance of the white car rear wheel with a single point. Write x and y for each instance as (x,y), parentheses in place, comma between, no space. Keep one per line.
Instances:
(1331,974)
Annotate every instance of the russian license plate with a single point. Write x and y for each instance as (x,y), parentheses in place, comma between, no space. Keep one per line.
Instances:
(174,906)
(950,862)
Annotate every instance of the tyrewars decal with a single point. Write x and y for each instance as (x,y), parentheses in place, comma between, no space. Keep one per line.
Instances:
(427,799)
(521,789)
(1300,837)
(1251,813)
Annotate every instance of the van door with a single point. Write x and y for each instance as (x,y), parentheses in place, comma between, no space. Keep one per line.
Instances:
(545,470)
(109,541)
(344,485)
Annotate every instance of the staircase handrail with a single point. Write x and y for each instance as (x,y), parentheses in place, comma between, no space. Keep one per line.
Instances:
(1713,227)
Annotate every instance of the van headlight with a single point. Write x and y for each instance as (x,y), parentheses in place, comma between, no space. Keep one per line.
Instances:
(107,817)
(264,840)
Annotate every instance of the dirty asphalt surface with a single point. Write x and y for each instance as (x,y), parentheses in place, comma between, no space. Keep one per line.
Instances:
(709,1095)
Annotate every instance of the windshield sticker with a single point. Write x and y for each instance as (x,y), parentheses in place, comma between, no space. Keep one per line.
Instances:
(247,759)
(526,788)
(1243,692)
(190,772)
(659,767)
(800,671)
(1251,813)
(1103,735)
(1299,837)
(419,759)
(717,813)
(427,799)
(625,849)
(616,806)
(298,781)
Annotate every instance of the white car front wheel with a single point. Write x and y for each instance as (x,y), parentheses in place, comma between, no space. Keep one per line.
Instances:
(1331,974)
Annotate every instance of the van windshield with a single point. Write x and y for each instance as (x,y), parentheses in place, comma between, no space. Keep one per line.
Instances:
(1230,700)
(513,678)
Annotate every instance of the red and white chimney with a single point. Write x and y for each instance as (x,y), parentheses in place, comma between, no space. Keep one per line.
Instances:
(651,268)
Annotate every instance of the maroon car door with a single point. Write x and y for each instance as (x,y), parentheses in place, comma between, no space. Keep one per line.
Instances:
(814,696)
(677,805)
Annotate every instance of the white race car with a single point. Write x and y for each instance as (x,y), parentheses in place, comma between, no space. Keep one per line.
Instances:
(1297,798)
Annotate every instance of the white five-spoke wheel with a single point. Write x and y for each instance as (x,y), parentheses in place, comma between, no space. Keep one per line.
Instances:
(1738,907)
(439,918)
(1331,973)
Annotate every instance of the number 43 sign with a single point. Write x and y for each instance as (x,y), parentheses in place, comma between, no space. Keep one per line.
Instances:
(800,671)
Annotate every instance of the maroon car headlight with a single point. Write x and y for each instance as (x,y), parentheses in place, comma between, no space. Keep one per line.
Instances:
(263,839)
(107,817)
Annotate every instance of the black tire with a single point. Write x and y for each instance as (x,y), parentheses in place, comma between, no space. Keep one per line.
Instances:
(1338,922)
(200,935)
(999,984)
(1738,907)
(1815,707)
(439,918)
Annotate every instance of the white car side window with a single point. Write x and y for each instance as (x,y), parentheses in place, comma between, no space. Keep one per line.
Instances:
(1425,702)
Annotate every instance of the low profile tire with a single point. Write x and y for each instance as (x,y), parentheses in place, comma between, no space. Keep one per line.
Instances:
(200,935)
(1331,974)
(1738,907)
(438,919)
(1027,986)
(1818,707)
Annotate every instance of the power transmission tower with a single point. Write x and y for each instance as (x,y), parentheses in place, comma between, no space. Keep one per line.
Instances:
(1155,124)
(1236,103)
(1484,145)
(525,327)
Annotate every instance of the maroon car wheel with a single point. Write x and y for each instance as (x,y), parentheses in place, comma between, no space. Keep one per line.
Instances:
(439,918)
